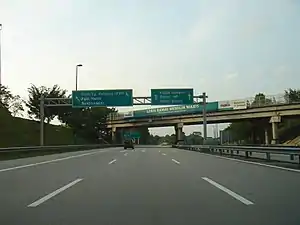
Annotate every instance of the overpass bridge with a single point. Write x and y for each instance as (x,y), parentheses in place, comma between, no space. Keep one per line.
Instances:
(188,111)
(193,114)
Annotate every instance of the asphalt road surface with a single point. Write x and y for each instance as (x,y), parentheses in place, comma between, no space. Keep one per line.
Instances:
(148,186)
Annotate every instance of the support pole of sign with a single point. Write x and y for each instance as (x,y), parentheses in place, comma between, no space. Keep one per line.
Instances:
(42,118)
(204,118)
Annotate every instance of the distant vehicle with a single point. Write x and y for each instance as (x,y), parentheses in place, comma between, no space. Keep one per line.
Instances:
(128,144)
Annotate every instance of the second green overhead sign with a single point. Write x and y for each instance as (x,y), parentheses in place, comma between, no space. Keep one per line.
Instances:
(172,96)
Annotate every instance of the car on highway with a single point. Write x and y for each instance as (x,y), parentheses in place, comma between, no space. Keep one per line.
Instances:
(128,144)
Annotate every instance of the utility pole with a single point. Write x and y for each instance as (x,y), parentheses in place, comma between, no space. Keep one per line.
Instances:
(76,76)
(204,118)
(42,118)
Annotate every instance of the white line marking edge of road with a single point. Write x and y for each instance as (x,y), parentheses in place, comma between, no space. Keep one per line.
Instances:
(164,154)
(113,161)
(54,193)
(50,161)
(175,161)
(226,190)
(250,162)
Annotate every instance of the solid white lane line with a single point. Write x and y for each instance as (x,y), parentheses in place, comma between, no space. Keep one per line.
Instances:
(231,193)
(123,151)
(49,161)
(175,161)
(143,150)
(164,154)
(125,154)
(54,193)
(112,161)
(254,163)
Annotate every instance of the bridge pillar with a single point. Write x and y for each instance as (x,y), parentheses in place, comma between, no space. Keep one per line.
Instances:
(113,134)
(275,120)
(179,133)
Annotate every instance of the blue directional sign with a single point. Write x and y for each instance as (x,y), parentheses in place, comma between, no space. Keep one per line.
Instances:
(96,98)
(172,96)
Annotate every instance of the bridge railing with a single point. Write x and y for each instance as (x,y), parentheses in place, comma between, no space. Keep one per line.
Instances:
(252,102)
(277,153)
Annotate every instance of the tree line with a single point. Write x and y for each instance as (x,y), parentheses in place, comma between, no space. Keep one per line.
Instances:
(86,123)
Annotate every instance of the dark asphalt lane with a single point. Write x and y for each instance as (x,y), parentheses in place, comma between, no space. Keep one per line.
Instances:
(22,186)
(37,159)
(146,187)
(270,188)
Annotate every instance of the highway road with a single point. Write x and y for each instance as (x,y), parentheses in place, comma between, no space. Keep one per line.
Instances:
(148,186)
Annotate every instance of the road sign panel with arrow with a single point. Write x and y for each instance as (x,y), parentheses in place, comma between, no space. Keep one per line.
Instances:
(96,98)
(183,96)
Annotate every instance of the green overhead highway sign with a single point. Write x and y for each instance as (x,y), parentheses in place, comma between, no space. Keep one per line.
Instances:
(172,96)
(96,98)
(135,135)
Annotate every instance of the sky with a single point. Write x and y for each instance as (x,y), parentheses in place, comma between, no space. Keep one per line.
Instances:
(230,49)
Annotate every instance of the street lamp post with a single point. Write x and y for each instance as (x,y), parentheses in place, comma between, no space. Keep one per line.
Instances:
(79,65)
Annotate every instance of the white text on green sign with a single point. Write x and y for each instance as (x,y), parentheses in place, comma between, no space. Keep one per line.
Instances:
(94,98)
(172,96)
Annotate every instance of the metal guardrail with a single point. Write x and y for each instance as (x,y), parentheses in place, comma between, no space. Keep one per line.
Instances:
(56,147)
(292,152)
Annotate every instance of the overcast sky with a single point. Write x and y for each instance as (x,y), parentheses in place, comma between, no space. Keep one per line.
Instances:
(229,48)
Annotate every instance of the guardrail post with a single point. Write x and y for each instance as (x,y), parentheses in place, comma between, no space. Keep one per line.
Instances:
(231,152)
(42,118)
(292,157)
(268,156)
(246,154)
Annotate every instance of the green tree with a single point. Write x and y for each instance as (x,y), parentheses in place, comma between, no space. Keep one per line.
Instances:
(88,123)
(194,139)
(35,93)
(145,135)
(5,96)
(292,95)
(13,103)
(170,139)
(16,106)
(261,100)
